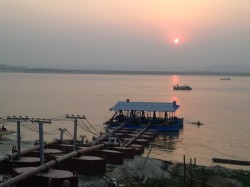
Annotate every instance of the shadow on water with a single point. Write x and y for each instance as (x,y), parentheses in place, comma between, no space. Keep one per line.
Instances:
(166,141)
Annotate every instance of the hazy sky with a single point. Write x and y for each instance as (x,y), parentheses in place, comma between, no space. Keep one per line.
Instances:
(125,34)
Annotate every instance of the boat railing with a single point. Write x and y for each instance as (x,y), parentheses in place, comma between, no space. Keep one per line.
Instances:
(143,120)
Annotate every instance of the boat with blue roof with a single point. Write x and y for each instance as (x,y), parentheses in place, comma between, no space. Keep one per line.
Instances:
(156,116)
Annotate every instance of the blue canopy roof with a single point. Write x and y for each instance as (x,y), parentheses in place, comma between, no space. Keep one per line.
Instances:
(145,106)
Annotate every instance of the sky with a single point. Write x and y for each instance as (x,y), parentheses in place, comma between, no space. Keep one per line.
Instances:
(125,34)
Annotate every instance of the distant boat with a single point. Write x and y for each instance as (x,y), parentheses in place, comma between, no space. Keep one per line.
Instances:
(225,78)
(185,87)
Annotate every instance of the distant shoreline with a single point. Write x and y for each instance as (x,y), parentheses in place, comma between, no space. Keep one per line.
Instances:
(115,72)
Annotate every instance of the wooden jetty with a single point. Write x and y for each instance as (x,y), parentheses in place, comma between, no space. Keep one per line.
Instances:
(29,173)
(60,159)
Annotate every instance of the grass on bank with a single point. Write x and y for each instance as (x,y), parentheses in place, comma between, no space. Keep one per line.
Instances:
(163,182)
(243,177)
(240,175)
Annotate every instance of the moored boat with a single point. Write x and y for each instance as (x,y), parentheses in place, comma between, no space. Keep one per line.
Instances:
(139,115)
(185,87)
(225,78)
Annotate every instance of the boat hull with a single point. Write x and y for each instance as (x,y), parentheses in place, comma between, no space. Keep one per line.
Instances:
(157,127)
(182,88)
(177,87)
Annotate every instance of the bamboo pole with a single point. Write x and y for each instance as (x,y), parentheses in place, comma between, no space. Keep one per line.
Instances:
(8,157)
(105,136)
(136,137)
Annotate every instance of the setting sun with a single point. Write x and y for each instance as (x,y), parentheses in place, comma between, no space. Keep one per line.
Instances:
(176,40)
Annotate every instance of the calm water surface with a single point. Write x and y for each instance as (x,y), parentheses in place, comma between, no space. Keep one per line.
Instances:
(223,107)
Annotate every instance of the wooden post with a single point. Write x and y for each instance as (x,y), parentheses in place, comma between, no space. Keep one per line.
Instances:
(190,166)
(190,172)
(184,168)
(194,162)
(191,179)
(203,176)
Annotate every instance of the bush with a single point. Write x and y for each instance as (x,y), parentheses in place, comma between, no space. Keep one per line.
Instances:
(162,182)
(243,177)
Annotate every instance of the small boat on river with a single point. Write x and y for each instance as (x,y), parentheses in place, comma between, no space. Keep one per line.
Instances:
(225,78)
(156,116)
(185,87)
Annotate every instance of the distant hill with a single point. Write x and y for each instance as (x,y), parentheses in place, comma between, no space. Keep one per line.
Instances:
(228,68)
(212,70)
(3,66)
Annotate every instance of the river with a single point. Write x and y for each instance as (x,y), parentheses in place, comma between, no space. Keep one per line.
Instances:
(221,105)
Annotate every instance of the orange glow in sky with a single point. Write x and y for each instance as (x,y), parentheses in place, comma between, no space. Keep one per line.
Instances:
(133,35)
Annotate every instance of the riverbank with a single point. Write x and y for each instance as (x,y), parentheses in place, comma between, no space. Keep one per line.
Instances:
(142,171)
(132,173)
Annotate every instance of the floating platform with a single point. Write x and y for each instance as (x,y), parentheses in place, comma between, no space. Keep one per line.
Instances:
(111,156)
(138,148)
(49,154)
(150,132)
(120,135)
(26,162)
(66,148)
(88,165)
(125,130)
(139,141)
(52,177)
(144,136)
(5,167)
(128,152)
(62,164)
